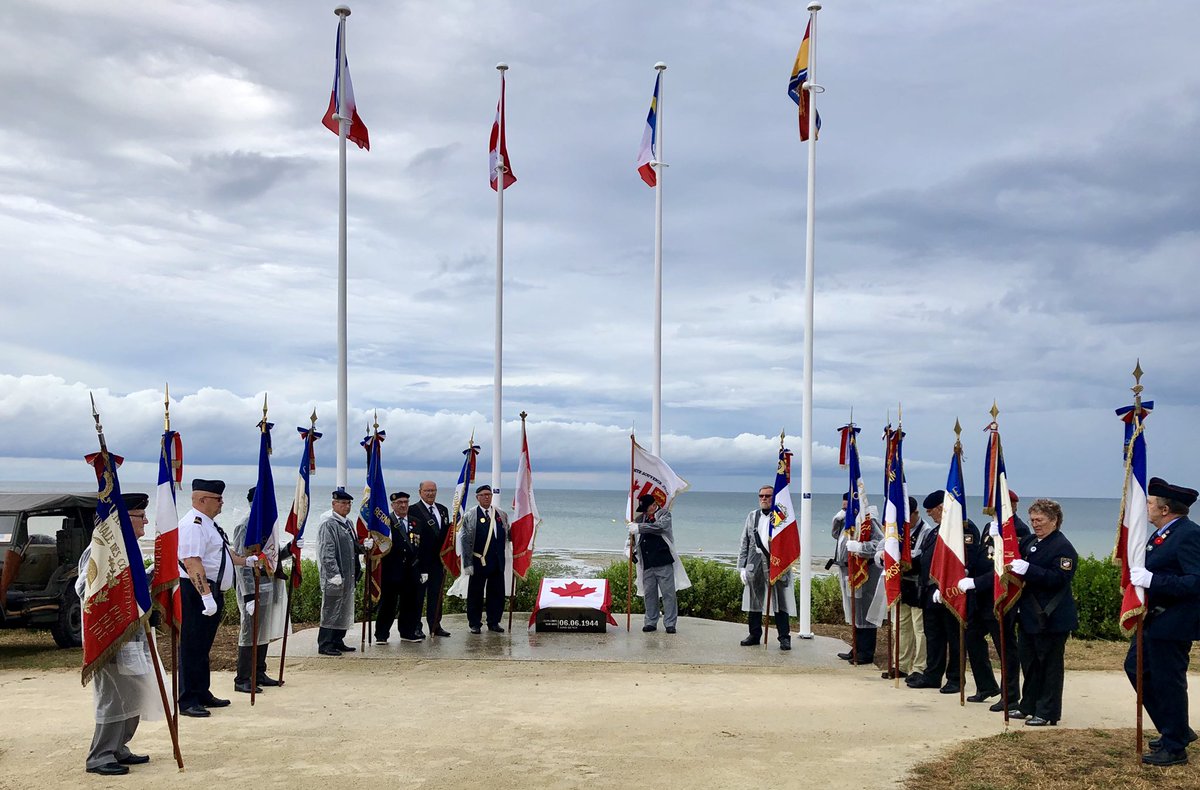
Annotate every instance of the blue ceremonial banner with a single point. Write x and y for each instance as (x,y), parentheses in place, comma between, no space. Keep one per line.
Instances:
(260,530)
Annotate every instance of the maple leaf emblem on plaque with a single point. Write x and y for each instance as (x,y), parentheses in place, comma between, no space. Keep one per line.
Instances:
(573,590)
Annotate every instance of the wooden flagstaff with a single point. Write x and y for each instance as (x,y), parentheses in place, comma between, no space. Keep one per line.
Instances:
(766,615)
(896,674)
(890,655)
(173,627)
(287,622)
(172,722)
(887,470)
(254,640)
(632,515)
(175,677)
(291,582)
(1139,635)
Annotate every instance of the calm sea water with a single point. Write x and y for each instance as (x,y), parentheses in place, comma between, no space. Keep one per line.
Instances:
(707,523)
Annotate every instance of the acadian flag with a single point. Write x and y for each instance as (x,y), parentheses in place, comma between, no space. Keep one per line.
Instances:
(299,514)
(526,518)
(648,153)
(373,519)
(165,585)
(357,133)
(462,489)
(498,146)
(897,552)
(116,596)
(264,512)
(996,502)
(1130,551)
(949,564)
(796,85)
(785,534)
(858,517)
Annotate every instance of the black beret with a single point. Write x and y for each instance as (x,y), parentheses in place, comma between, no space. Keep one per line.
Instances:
(136,501)
(644,502)
(250,493)
(482,488)
(340,495)
(935,499)
(912,504)
(399,495)
(210,486)
(1161,488)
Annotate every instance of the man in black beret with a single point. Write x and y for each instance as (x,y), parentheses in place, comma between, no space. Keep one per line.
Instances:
(402,579)
(337,558)
(1171,580)
(486,560)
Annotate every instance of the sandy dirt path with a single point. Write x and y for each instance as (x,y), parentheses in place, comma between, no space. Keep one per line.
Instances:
(497,724)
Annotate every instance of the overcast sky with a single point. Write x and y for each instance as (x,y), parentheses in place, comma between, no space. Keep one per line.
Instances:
(1008,209)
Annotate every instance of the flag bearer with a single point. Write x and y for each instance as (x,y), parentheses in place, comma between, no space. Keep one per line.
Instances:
(337,557)
(754,560)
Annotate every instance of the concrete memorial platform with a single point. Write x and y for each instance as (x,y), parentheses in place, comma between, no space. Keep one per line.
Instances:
(698,642)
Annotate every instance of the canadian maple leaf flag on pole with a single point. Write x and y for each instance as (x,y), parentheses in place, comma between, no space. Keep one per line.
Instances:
(525,513)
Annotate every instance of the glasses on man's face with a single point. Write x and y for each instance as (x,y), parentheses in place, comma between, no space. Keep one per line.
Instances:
(218,498)
(764,496)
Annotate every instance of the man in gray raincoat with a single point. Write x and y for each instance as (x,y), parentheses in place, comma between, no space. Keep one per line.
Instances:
(337,556)
(272,614)
(754,562)
(864,628)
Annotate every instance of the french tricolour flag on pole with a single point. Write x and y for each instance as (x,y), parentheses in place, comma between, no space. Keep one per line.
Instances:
(949,564)
(649,150)
(1134,532)
(785,534)
(165,585)
(357,133)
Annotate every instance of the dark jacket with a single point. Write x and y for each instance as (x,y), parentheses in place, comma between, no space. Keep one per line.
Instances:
(1046,605)
(432,535)
(1173,600)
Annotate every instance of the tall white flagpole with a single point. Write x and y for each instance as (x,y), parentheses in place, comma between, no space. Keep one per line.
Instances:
(343,438)
(806,421)
(498,355)
(659,170)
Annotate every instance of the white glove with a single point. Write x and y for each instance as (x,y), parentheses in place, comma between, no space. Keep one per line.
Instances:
(468,570)
(879,558)
(424,578)
(298,543)
(210,605)
(1020,567)
(633,528)
(937,596)
(744,574)
(249,608)
(854,546)
(336,581)
(1140,577)
(994,529)
(841,514)
(368,543)
(252,560)
(966,583)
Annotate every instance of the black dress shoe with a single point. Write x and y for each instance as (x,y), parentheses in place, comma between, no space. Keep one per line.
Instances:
(412,637)
(215,702)
(996,707)
(196,711)
(1038,721)
(891,675)
(263,680)
(749,641)
(950,688)
(1163,758)
(921,682)
(134,759)
(1015,713)
(845,656)
(345,648)
(785,643)
(439,631)
(329,651)
(116,769)
(381,640)
(983,696)
(245,688)
(420,634)
(855,662)
(476,629)
(496,629)
(648,628)
(1156,743)
(670,629)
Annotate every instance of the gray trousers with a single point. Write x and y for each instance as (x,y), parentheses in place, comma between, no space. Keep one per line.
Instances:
(656,581)
(109,742)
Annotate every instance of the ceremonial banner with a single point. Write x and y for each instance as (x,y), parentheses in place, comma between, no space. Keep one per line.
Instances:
(1006,585)
(116,598)
(649,150)
(462,489)
(897,551)
(374,520)
(498,145)
(299,514)
(264,512)
(858,525)
(525,513)
(358,130)
(1130,551)
(796,84)
(949,564)
(165,586)
(651,475)
(785,534)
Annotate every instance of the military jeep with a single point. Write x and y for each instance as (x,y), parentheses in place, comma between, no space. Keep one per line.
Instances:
(42,537)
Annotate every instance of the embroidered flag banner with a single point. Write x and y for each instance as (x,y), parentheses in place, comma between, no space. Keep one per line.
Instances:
(785,533)
(298,516)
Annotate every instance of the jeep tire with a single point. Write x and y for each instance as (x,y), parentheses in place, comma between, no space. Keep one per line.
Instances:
(68,631)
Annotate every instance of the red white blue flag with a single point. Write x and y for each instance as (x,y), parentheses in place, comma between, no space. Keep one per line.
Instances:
(298,516)
(785,533)
(165,585)
(648,153)
(1130,551)
(996,502)
(897,551)
(462,489)
(264,512)
(357,132)
(858,524)
(949,564)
